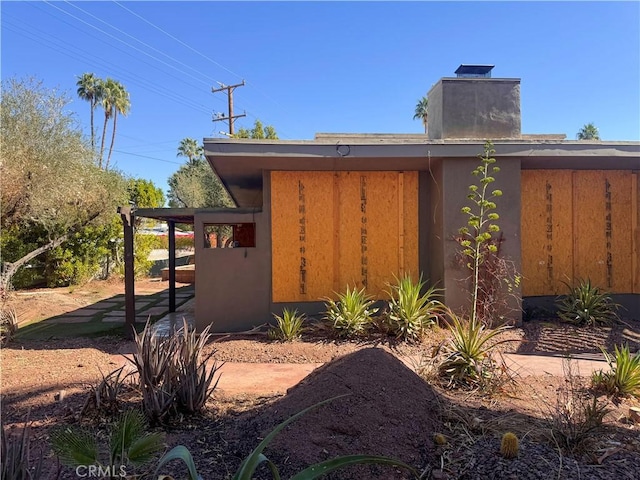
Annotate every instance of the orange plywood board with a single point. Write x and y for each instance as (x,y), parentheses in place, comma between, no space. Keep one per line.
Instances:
(302,235)
(603,229)
(369,224)
(547,240)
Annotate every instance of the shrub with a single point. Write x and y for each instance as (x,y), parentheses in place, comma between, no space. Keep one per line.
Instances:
(8,324)
(468,359)
(351,314)
(256,457)
(129,445)
(410,313)
(624,377)
(173,373)
(577,415)
(15,454)
(289,326)
(586,305)
(105,395)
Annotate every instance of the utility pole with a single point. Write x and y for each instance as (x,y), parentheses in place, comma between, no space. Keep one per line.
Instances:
(231,116)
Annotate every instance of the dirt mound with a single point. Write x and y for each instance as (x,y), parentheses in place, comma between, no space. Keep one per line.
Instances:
(389,411)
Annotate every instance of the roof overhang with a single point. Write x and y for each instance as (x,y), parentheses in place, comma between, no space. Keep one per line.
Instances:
(185,215)
(240,163)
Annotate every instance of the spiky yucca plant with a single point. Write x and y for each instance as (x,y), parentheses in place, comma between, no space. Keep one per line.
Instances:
(16,459)
(623,379)
(130,445)
(351,314)
(290,326)
(468,354)
(411,313)
(586,305)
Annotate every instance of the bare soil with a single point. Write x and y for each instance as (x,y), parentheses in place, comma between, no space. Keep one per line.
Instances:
(390,411)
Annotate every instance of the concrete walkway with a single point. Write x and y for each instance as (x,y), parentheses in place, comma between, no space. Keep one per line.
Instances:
(264,379)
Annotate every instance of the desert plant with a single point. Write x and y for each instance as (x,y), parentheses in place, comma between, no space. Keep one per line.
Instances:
(194,378)
(15,454)
(509,445)
(411,313)
(586,305)
(173,372)
(289,326)
(623,379)
(130,445)
(8,324)
(105,396)
(468,355)
(351,314)
(576,415)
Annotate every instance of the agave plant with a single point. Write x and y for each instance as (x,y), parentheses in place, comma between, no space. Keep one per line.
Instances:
(623,379)
(351,314)
(289,326)
(468,355)
(130,445)
(410,312)
(15,454)
(586,305)
(256,457)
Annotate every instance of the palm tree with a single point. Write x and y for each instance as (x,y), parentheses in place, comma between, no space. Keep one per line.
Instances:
(421,112)
(588,132)
(90,89)
(109,94)
(121,105)
(189,148)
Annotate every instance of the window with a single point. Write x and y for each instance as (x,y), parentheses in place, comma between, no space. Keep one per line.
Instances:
(225,235)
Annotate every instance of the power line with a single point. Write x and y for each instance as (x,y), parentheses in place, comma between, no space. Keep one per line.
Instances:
(231,116)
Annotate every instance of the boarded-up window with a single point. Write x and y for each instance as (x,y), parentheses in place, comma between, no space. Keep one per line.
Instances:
(330,229)
(577,225)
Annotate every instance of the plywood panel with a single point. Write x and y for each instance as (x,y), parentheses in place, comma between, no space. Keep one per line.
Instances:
(349,228)
(602,229)
(635,218)
(547,240)
(302,235)
(410,223)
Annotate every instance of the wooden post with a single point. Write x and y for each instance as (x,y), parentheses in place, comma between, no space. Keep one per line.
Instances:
(172,266)
(128,219)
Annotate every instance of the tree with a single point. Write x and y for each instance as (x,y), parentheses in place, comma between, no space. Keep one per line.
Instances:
(52,188)
(195,185)
(120,104)
(144,193)
(258,132)
(189,148)
(421,112)
(90,89)
(588,132)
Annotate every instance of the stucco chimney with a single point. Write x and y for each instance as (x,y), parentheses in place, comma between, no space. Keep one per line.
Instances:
(475,106)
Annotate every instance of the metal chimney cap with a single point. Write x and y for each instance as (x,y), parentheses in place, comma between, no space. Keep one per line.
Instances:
(477,71)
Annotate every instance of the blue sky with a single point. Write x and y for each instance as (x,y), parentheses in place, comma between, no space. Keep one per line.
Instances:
(324,66)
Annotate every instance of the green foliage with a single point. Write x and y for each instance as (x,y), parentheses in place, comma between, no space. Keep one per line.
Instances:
(191,149)
(289,326)
(623,379)
(411,313)
(8,324)
(351,314)
(588,132)
(586,305)
(144,193)
(468,360)
(258,132)
(195,185)
(179,453)
(173,372)
(477,237)
(422,111)
(129,444)
(16,459)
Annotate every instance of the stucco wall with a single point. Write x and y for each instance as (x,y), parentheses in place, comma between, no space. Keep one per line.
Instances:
(232,284)
(475,108)
(456,178)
